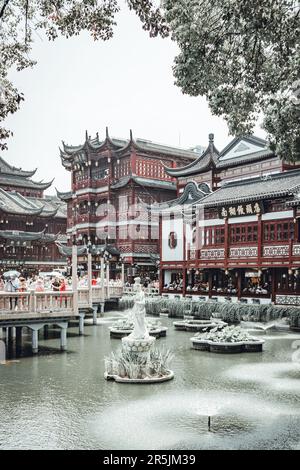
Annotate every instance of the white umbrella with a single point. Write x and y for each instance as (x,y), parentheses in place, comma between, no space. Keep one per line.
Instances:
(51,274)
(11,274)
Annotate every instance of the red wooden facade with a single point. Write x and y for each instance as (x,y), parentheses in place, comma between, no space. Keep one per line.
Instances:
(30,223)
(243,238)
(110,178)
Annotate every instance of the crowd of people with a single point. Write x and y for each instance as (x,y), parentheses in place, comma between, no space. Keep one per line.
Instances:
(230,289)
(146,282)
(46,283)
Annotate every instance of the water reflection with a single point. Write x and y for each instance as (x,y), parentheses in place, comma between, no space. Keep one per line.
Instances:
(62,401)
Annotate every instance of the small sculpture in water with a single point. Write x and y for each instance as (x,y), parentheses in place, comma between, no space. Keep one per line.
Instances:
(138,362)
(138,314)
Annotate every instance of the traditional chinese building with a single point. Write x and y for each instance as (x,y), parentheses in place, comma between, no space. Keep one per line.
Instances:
(244,157)
(233,233)
(109,179)
(30,222)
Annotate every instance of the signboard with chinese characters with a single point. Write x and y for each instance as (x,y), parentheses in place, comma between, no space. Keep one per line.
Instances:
(241,209)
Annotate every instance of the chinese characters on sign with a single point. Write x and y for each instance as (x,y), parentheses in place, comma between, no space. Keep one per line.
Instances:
(238,210)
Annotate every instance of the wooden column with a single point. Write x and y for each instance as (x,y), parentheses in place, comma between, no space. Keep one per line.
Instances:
(89,263)
(184,258)
(74,278)
(184,275)
(161,279)
(296,226)
(239,284)
(259,241)
(227,243)
(161,270)
(102,280)
(123,274)
(210,275)
(107,278)
(274,285)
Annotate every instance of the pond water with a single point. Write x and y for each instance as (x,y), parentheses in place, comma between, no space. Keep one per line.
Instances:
(61,400)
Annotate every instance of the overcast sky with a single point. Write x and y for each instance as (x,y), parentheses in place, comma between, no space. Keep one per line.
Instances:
(124,83)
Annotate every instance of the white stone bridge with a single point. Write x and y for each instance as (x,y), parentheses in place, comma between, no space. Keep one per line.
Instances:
(37,310)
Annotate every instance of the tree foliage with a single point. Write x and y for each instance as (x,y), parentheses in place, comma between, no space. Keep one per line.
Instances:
(21,19)
(244,57)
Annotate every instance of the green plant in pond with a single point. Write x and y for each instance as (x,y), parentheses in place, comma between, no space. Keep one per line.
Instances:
(127,324)
(294,318)
(229,334)
(229,312)
(135,366)
(126,302)
(154,305)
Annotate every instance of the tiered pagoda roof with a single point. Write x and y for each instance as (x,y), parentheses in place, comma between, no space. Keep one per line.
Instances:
(70,154)
(64,196)
(149,183)
(192,195)
(13,202)
(82,250)
(240,151)
(11,176)
(206,161)
(7,169)
(21,236)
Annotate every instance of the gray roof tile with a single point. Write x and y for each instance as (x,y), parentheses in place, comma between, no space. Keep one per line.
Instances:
(253,189)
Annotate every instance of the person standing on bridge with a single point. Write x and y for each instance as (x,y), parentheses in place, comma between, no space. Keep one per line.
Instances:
(63,288)
(12,285)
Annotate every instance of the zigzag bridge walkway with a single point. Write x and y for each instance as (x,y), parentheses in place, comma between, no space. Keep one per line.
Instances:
(37,310)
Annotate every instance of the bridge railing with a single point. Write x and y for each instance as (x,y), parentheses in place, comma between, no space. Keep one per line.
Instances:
(150,291)
(49,301)
(97,293)
(83,297)
(52,302)
(36,302)
(115,291)
(15,301)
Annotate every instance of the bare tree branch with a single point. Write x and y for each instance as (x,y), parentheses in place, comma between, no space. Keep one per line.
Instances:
(2,11)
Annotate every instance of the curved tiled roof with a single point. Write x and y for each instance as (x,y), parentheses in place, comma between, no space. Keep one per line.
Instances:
(15,203)
(64,196)
(81,250)
(20,236)
(19,181)
(7,169)
(121,145)
(254,189)
(251,157)
(149,183)
(211,158)
(191,195)
(207,160)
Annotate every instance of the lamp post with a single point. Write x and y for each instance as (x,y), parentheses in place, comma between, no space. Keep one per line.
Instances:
(123,271)
(74,274)
(107,259)
(89,269)
(102,279)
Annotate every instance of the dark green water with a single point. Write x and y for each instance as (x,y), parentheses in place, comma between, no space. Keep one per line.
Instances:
(61,400)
